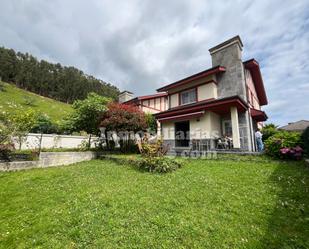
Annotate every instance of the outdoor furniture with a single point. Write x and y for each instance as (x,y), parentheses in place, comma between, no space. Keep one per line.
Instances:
(224,143)
(200,144)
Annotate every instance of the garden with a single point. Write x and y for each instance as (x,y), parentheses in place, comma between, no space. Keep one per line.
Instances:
(234,202)
(135,196)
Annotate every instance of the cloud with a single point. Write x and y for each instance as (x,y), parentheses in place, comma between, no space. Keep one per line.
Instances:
(141,45)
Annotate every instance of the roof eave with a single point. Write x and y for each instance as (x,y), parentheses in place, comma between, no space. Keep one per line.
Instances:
(208,72)
(254,68)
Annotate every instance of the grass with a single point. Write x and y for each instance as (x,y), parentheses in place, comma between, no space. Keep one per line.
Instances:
(12,96)
(206,204)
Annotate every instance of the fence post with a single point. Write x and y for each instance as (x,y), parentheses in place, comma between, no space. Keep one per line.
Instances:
(40,144)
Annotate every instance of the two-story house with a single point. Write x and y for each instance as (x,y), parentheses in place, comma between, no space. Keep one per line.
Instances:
(223,101)
(150,103)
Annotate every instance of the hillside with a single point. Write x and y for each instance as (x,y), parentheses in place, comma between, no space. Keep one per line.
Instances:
(52,80)
(13,97)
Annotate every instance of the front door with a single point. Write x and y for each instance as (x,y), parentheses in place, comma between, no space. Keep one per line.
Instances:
(182,134)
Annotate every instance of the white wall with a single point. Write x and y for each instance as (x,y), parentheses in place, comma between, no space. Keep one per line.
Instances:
(207,91)
(168,130)
(32,141)
(174,100)
(207,126)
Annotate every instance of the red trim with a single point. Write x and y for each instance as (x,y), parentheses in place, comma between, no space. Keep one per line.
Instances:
(152,96)
(191,87)
(182,117)
(208,72)
(258,115)
(146,97)
(220,106)
(179,95)
(149,107)
(254,68)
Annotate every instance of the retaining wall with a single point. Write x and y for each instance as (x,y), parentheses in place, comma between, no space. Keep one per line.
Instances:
(50,159)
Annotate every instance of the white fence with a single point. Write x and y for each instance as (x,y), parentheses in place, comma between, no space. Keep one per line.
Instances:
(32,141)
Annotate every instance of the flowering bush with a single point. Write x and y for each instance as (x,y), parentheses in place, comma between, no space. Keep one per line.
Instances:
(291,153)
(285,145)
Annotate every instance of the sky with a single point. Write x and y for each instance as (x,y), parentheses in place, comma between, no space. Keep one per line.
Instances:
(141,45)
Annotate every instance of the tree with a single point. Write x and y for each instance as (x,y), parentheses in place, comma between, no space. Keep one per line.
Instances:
(44,125)
(151,122)
(269,130)
(123,119)
(87,113)
(6,145)
(21,122)
(59,82)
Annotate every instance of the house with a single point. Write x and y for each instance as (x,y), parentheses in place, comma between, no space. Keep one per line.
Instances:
(151,103)
(298,126)
(222,101)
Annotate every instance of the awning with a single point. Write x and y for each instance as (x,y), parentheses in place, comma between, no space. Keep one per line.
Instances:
(182,117)
(258,115)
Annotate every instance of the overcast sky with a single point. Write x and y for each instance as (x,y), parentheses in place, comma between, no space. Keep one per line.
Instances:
(142,45)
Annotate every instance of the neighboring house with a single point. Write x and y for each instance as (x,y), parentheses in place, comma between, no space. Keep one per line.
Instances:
(298,126)
(150,104)
(223,101)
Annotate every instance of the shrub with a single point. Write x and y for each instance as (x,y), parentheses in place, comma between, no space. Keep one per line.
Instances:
(128,146)
(153,159)
(305,140)
(151,122)
(154,149)
(268,131)
(44,125)
(158,164)
(29,101)
(5,151)
(291,153)
(278,145)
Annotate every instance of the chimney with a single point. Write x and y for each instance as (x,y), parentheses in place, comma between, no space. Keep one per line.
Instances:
(229,55)
(125,96)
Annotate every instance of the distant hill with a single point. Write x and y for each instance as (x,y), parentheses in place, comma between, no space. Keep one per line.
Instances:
(53,80)
(12,97)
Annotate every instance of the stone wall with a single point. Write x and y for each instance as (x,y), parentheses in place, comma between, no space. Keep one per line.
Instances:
(232,82)
(50,159)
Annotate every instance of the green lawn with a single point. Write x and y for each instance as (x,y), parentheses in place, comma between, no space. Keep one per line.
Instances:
(206,204)
(12,96)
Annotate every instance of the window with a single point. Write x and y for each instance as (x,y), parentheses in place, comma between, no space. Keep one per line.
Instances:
(188,97)
(227,128)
